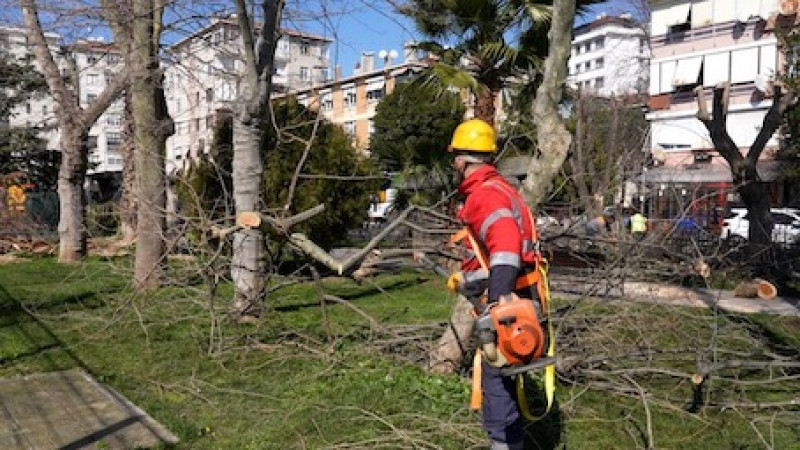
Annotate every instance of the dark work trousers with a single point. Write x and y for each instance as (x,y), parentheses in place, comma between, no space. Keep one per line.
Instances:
(501,417)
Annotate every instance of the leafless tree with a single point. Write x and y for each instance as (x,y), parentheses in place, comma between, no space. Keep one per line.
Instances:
(74,122)
(247,265)
(140,41)
(743,167)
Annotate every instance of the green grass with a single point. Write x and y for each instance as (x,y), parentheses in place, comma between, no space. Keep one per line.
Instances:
(286,382)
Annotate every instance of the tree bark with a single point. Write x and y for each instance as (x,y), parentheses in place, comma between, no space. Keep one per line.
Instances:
(448,354)
(552,137)
(149,115)
(247,264)
(71,197)
(127,203)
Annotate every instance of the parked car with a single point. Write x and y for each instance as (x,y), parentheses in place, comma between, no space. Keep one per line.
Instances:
(785,230)
(545,221)
(381,206)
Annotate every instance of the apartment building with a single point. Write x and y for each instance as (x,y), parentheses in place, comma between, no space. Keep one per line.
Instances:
(206,69)
(93,63)
(351,101)
(609,57)
(703,43)
(37,112)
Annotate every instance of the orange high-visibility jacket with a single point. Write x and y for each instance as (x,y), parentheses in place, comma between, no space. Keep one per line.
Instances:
(501,223)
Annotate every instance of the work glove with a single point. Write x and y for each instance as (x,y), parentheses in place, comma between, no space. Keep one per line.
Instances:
(455,281)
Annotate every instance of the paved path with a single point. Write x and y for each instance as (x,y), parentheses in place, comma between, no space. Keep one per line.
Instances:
(677,295)
(71,410)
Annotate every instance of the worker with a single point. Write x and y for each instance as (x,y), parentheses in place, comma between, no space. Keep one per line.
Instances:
(638,225)
(496,215)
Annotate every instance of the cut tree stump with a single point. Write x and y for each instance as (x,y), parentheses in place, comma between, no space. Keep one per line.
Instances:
(756,288)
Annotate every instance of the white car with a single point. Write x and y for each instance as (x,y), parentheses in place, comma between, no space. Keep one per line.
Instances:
(785,231)
(379,211)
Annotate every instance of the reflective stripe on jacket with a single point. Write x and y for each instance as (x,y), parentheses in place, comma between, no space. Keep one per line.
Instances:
(497,216)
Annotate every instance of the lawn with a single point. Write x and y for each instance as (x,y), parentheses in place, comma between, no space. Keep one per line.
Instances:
(304,376)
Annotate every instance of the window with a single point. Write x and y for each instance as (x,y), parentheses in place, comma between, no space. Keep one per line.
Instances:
(326,100)
(91,58)
(228,64)
(375,89)
(599,43)
(90,98)
(197,98)
(793,62)
(93,79)
(599,82)
(114,120)
(349,94)
(209,95)
(44,110)
(113,59)
(598,64)
(680,18)
(113,138)
(350,127)
(304,76)
(303,99)
(305,48)
(371,127)
(28,108)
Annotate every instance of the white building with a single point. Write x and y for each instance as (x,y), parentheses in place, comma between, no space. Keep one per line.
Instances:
(703,43)
(609,57)
(93,63)
(699,44)
(206,70)
(37,112)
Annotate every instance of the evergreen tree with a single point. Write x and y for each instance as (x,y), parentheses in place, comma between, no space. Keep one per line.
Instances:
(21,149)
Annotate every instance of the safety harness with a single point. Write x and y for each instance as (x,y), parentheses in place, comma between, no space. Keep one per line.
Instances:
(537,278)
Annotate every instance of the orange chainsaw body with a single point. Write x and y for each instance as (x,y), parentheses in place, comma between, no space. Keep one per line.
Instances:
(519,334)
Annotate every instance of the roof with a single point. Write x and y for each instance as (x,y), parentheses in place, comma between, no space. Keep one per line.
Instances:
(231,20)
(705,173)
(393,70)
(603,21)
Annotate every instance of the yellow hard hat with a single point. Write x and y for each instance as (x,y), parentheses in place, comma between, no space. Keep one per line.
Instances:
(473,135)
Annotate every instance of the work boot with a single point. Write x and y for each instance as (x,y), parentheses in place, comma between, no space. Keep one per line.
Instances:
(497,445)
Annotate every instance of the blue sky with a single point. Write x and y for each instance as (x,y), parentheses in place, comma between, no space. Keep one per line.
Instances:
(367,26)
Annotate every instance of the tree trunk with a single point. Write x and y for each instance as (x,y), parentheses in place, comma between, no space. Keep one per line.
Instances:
(149,113)
(71,198)
(247,265)
(552,137)
(484,105)
(448,354)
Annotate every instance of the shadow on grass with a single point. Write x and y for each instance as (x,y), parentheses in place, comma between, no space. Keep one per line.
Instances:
(15,314)
(362,292)
(546,431)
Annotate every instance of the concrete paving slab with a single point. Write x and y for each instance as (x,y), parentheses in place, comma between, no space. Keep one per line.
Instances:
(71,410)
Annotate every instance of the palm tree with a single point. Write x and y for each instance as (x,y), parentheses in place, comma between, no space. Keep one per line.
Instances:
(481,44)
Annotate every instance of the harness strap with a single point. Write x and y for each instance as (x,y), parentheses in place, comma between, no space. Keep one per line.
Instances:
(550,369)
(477,392)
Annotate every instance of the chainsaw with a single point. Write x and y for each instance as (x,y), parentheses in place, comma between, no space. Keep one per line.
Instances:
(511,335)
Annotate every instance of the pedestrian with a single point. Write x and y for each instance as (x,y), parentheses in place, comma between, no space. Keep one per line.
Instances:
(599,226)
(638,225)
(500,222)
